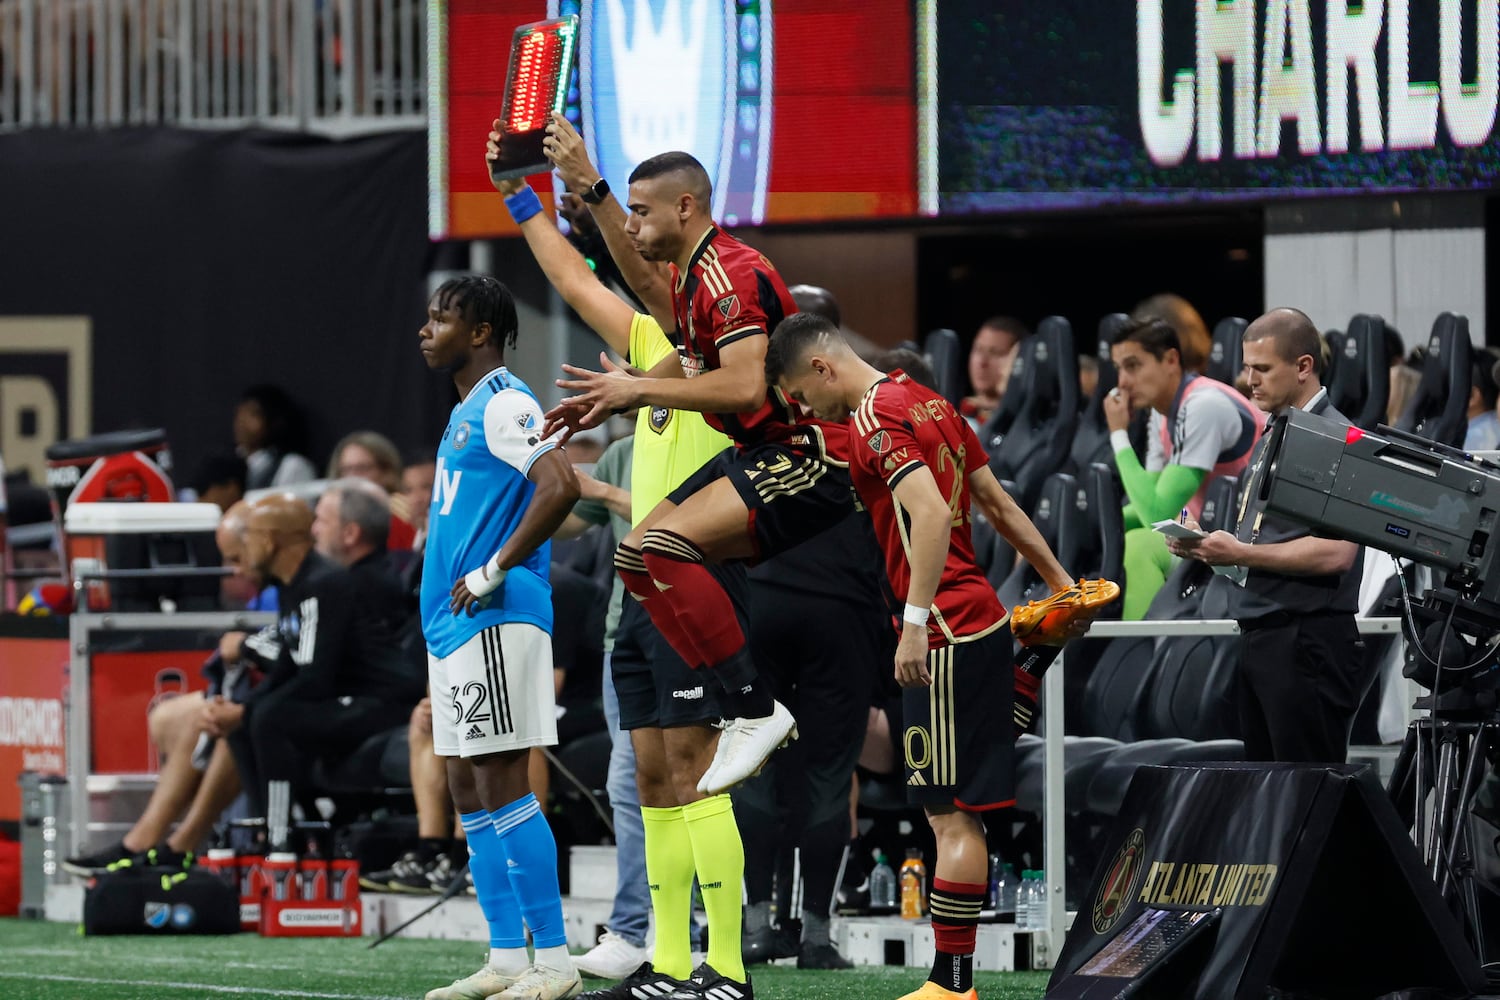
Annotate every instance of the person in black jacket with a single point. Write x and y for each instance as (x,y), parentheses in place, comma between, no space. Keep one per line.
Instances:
(334,672)
(1302,671)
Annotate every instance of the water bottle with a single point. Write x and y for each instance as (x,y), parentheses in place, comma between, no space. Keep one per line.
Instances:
(992,894)
(882,885)
(913,886)
(1023,900)
(1009,887)
(1040,917)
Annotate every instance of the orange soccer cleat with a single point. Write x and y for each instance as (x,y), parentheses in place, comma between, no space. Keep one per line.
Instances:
(1054,620)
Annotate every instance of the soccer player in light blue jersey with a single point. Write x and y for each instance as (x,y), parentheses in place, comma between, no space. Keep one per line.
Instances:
(501,490)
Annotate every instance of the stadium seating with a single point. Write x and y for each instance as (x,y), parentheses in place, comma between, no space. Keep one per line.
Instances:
(1227,352)
(1359,385)
(1038,439)
(1438,410)
(1091,439)
(945,353)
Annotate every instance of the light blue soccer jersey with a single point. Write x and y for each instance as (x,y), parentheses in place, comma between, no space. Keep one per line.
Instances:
(481,492)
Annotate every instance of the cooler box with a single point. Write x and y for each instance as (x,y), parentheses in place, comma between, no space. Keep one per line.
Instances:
(168,548)
(124,465)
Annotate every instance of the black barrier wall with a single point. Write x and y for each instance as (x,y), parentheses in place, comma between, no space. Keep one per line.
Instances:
(211,261)
(1321,892)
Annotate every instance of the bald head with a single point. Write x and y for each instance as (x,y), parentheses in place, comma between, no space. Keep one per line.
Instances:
(280,513)
(1292,333)
(235,520)
(278,536)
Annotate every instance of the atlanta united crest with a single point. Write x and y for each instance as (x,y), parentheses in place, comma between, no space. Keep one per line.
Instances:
(1118,888)
(692,75)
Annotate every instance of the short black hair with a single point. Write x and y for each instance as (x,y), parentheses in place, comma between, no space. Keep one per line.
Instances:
(1294,334)
(677,162)
(479,298)
(791,339)
(216,469)
(1155,335)
(911,362)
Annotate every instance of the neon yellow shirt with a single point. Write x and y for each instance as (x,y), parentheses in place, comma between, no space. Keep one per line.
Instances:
(670,445)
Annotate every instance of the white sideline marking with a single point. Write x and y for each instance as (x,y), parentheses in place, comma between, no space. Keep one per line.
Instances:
(173,960)
(205,987)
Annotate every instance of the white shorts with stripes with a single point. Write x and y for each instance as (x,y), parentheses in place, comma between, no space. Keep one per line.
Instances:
(494,693)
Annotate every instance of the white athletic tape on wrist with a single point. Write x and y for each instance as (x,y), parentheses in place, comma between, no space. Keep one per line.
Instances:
(915,615)
(486,579)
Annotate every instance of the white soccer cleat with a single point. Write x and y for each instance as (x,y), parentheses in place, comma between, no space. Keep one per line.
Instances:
(482,984)
(542,982)
(744,747)
(612,958)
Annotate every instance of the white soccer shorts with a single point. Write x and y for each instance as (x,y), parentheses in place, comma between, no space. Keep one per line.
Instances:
(494,693)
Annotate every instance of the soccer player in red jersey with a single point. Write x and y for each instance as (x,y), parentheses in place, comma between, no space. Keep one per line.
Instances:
(918,466)
(784,481)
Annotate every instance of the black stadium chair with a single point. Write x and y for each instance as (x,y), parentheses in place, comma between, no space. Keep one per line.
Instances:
(1017,388)
(1091,440)
(1057,494)
(1359,384)
(945,353)
(1038,440)
(1438,410)
(1333,340)
(1227,352)
(1220,505)
(1091,543)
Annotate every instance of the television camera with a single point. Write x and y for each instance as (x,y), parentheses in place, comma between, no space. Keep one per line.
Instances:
(1436,506)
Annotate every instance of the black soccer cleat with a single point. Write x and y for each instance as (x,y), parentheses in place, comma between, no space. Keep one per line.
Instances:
(89,865)
(642,984)
(707,982)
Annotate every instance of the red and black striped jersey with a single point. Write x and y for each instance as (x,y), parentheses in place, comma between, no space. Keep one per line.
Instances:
(730,291)
(901,425)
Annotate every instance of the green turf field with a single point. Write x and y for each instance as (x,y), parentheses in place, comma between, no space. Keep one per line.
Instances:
(42,961)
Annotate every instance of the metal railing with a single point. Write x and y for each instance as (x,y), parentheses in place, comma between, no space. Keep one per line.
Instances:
(333,66)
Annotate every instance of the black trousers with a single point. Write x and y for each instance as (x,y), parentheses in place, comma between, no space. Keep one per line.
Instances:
(287,733)
(820,656)
(1300,682)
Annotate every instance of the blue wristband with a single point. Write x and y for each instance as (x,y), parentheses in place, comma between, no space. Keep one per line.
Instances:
(523,204)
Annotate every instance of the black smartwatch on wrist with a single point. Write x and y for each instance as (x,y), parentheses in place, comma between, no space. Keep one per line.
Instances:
(596,193)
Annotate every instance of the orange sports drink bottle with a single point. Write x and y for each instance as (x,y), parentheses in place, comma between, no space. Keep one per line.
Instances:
(913,880)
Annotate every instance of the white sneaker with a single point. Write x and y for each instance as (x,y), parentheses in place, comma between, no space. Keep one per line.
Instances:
(484,983)
(744,747)
(612,958)
(542,982)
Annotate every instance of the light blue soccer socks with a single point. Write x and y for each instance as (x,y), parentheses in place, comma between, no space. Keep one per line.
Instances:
(531,855)
(487,863)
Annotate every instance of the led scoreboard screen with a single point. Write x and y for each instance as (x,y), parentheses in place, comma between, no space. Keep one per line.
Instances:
(800,110)
(1076,105)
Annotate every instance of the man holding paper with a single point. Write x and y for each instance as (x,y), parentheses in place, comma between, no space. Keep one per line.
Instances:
(1302,664)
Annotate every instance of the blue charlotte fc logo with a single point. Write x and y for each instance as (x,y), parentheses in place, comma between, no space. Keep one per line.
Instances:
(694,75)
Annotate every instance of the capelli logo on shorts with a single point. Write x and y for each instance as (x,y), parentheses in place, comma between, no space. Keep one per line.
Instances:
(689,694)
